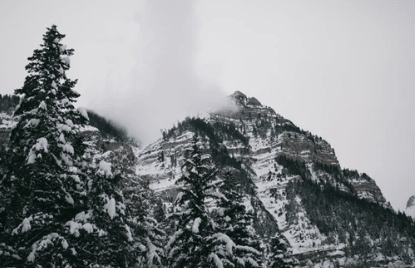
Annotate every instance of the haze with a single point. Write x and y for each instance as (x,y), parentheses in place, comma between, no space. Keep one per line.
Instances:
(340,69)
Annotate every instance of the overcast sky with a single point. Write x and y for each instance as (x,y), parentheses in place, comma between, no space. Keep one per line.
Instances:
(340,69)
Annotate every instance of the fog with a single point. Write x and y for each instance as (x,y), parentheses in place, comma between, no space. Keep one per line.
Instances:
(163,86)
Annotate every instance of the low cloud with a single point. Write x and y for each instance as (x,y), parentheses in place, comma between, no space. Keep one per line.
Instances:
(162,86)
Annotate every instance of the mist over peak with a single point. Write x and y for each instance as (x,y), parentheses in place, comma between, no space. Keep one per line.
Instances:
(162,87)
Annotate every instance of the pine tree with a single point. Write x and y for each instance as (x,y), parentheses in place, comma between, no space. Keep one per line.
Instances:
(234,221)
(62,210)
(149,236)
(41,186)
(279,256)
(195,242)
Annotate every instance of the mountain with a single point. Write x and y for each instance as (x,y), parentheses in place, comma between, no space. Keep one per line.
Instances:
(293,183)
(290,180)
(410,207)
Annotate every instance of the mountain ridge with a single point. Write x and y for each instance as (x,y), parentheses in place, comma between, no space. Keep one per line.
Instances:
(274,159)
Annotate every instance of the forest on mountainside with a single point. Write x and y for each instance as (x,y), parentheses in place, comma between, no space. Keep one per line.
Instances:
(64,205)
(8,103)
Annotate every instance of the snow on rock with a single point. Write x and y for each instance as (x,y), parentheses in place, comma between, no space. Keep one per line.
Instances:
(196,223)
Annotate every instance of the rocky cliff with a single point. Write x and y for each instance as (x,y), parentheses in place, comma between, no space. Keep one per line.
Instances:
(274,159)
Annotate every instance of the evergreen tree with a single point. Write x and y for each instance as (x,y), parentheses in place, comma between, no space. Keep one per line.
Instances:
(41,186)
(149,237)
(62,210)
(195,242)
(279,256)
(235,221)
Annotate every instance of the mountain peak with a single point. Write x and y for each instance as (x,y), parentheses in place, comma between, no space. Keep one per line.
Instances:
(242,99)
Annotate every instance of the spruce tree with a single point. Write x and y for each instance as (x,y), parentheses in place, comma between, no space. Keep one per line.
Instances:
(279,255)
(62,209)
(196,242)
(41,185)
(234,221)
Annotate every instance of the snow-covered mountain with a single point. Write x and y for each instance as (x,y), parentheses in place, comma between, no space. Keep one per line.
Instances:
(292,181)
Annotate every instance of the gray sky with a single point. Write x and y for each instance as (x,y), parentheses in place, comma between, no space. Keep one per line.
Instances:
(340,69)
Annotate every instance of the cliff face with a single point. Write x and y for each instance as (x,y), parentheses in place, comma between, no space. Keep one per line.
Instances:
(410,207)
(272,157)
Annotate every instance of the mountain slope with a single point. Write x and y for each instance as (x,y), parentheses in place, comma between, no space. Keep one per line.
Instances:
(282,169)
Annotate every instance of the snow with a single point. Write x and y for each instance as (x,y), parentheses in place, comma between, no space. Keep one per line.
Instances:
(32,122)
(151,253)
(196,223)
(42,144)
(68,148)
(25,226)
(216,260)
(68,121)
(218,195)
(74,227)
(63,127)
(88,227)
(179,197)
(229,242)
(69,199)
(66,61)
(129,235)
(62,138)
(43,105)
(110,207)
(62,48)
(44,243)
(82,216)
(66,159)
(104,169)
(83,112)
(173,239)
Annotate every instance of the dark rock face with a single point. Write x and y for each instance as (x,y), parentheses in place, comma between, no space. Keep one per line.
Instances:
(411,202)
